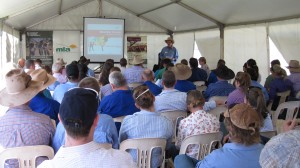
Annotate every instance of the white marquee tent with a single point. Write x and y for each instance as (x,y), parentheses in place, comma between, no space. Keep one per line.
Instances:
(235,30)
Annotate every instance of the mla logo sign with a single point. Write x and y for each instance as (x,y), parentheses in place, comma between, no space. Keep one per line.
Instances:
(66,49)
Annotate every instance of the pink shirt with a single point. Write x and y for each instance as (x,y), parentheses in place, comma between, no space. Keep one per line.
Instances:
(60,78)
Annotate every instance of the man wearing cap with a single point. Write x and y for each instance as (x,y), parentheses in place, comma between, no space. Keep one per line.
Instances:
(20,126)
(105,132)
(169,51)
(73,79)
(294,77)
(134,73)
(40,103)
(243,124)
(148,78)
(221,87)
(182,73)
(171,98)
(78,114)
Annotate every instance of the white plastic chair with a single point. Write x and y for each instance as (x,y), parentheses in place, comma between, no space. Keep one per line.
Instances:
(199,83)
(268,134)
(144,147)
(119,119)
(217,111)
(175,117)
(206,143)
(219,98)
(201,88)
(283,98)
(292,109)
(26,155)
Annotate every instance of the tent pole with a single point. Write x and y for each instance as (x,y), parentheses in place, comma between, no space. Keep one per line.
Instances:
(221,41)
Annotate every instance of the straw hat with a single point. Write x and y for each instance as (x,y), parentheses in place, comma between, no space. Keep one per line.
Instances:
(137,60)
(43,76)
(170,39)
(61,61)
(294,66)
(181,71)
(19,88)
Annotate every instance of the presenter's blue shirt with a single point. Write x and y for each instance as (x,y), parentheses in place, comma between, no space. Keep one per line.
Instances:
(169,52)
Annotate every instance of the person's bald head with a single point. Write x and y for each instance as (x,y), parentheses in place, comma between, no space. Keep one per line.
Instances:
(148,75)
(21,63)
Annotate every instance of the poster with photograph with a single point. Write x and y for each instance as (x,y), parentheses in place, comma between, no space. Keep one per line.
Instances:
(137,46)
(39,45)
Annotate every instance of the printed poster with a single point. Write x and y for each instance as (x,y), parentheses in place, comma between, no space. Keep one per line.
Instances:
(137,46)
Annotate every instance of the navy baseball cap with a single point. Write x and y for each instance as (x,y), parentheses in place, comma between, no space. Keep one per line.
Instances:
(72,70)
(79,107)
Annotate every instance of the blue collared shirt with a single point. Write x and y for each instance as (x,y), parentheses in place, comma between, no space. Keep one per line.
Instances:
(145,124)
(170,53)
(90,73)
(105,132)
(184,85)
(134,74)
(61,89)
(155,90)
(264,90)
(41,104)
(220,88)
(198,74)
(212,77)
(233,155)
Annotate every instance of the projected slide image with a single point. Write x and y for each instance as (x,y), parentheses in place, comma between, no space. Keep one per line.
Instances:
(104,45)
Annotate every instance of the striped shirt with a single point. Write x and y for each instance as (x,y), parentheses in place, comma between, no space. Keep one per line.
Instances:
(87,155)
(134,74)
(20,126)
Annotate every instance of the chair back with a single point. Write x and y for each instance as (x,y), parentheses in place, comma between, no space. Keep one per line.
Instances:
(206,143)
(144,147)
(199,83)
(26,155)
(175,116)
(217,111)
(134,85)
(201,88)
(268,134)
(298,95)
(119,119)
(292,110)
(219,98)
(283,97)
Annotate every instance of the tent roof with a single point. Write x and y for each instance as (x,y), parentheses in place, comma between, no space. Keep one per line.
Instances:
(163,16)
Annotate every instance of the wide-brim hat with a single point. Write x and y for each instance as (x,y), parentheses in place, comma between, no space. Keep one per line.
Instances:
(61,61)
(43,76)
(294,66)
(224,72)
(170,39)
(137,60)
(181,71)
(20,88)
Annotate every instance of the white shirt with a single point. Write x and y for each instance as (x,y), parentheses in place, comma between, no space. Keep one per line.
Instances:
(89,155)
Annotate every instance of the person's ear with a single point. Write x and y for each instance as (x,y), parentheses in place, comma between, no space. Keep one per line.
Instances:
(137,106)
(112,86)
(59,118)
(95,123)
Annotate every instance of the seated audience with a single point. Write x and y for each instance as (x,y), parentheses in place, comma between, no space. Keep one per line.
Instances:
(184,61)
(279,84)
(134,73)
(29,66)
(165,62)
(203,65)
(283,149)
(83,70)
(212,78)
(40,103)
(63,64)
(243,124)
(105,131)
(198,74)
(20,126)
(89,72)
(270,78)
(148,78)
(106,89)
(38,64)
(103,80)
(255,98)
(254,76)
(182,73)
(221,87)
(242,82)
(123,64)
(251,63)
(78,114)
(172,99)
(198,122)
(57,73)
(73,79)
(146,124)
(21,63)
(294,77)
(120,102)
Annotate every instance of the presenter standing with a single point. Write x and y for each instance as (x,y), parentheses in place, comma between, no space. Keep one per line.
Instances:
(169,51)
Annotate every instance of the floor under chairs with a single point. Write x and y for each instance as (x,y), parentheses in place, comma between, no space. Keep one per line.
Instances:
(26,155)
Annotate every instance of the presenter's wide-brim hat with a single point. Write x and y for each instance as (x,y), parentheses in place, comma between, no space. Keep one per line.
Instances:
(294,66)
(181,71)
(137,60)
(41,75)
(169,39)
(20,88)
(224,72)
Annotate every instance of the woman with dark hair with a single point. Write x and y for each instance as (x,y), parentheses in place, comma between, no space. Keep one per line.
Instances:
(103,80)
(146,124)
(251,63)
(242,82)
(83,69)
(243,124)
(198,74)
(255,98)
(212,78)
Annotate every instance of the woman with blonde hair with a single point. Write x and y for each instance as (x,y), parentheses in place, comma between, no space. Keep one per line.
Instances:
(198,122)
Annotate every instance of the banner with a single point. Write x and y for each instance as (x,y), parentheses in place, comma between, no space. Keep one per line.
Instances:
(39,45)
(137,46)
